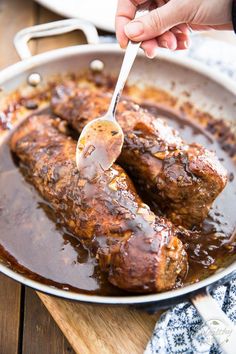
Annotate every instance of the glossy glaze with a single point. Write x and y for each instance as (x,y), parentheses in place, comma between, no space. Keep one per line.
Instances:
(45,251)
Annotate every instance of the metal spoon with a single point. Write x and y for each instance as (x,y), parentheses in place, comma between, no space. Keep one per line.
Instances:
(101,140)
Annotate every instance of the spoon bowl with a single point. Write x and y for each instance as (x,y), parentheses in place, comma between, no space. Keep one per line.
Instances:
(98,147)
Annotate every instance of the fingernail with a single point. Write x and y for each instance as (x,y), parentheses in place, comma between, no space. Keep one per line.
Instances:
(170,46)
(164,44)
(123,45)
(173,46)
(150,55)
(134,29)
(186,44)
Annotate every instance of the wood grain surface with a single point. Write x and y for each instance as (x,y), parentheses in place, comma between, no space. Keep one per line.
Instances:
(14,15)
(41,334)
(10,303)
(93,329)
(26,327)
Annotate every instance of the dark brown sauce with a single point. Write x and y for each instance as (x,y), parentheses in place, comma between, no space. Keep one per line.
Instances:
(209,248)
(33,241)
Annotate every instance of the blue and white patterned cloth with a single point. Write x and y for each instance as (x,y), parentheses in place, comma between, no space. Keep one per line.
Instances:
(181,330)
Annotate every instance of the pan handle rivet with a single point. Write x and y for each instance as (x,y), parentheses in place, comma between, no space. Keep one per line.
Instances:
(96,65)
(34,79)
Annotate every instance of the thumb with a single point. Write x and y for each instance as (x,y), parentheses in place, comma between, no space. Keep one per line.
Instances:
(155,23)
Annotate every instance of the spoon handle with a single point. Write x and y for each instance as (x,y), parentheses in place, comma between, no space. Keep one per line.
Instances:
(130,55)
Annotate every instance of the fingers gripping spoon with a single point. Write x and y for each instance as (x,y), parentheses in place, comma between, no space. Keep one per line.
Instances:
(101,140)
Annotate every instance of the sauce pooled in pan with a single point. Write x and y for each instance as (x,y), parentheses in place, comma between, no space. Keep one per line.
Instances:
(34,242)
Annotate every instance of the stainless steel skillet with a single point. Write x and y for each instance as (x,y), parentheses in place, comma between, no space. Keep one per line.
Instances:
(209,92)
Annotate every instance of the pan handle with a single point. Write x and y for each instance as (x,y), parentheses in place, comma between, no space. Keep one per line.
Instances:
(220,326)
(22,38)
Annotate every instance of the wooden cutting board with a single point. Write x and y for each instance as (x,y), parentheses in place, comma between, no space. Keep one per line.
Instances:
(103,329)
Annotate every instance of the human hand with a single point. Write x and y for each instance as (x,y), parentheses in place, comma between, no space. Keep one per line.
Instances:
(168,24)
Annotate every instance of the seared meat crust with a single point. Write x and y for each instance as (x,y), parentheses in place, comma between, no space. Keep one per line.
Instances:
(139,251)
(182,179)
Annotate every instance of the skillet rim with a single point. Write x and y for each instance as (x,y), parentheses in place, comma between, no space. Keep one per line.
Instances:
(58,54)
